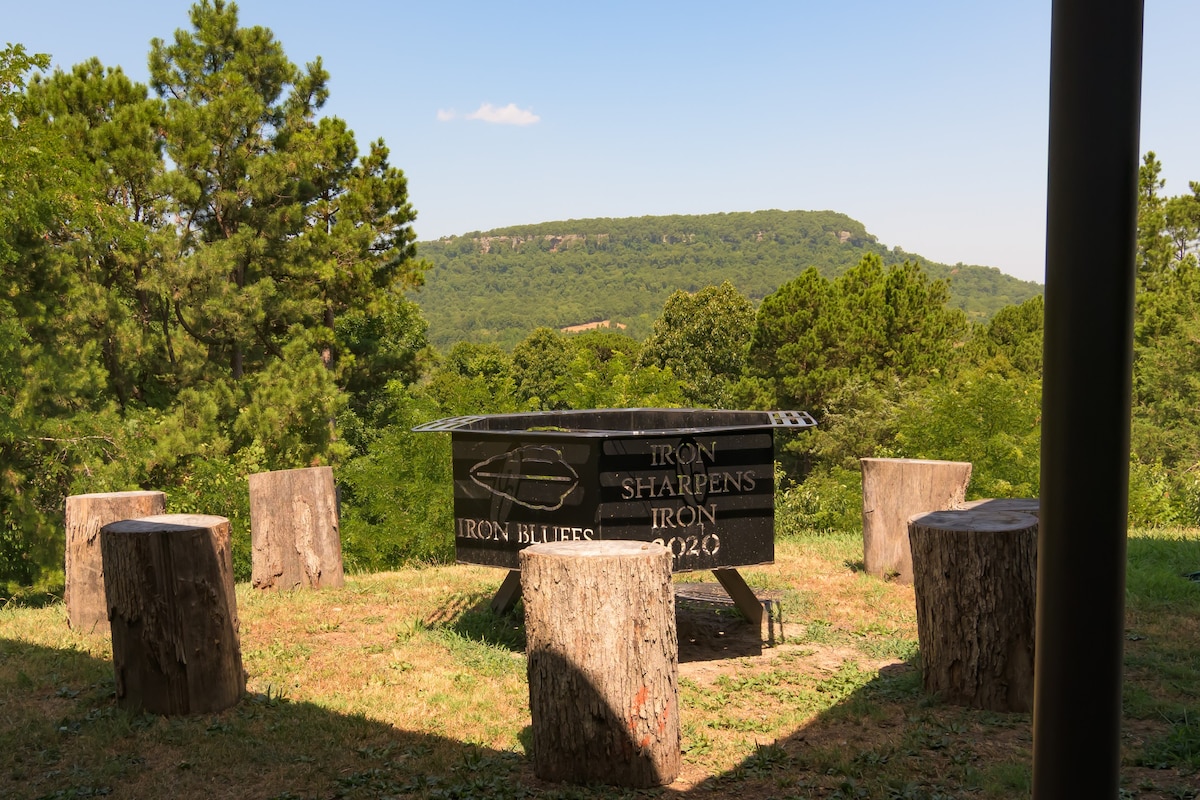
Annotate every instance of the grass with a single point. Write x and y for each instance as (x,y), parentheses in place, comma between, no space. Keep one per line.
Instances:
(405,684)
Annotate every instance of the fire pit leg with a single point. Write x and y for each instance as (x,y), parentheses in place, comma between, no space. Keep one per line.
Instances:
(742,595)
(509,592)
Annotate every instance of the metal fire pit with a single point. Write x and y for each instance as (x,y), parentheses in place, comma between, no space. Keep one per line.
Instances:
(698,481)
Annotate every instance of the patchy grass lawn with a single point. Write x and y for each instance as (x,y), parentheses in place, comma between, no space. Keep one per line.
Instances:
(404,684)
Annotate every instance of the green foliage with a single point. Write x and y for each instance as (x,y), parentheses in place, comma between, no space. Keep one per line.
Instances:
(473,379)
(216,484)
(292,406)
(1166,373)
(828,500)
(984,418)
(1011,342)
(703,338)
(379,347)
(51,381)
(814,336)
(860,422)
(1160,497)
(398,501)
(1165,430)
(616,381)
(209,279)
(625,270)
(283,225)
(540,364)
(198,283)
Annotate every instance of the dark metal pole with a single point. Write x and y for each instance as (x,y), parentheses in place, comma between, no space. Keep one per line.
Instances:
(1095,99)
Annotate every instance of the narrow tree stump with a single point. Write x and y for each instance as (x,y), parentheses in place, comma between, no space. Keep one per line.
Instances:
(603,662)
(975,584)
(173,613)
(85,515)
(893,490)
(294,534)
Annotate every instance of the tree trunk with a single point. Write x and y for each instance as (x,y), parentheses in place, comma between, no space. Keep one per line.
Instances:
(85,515)
(975,582)
(171,605)
(893,490)
(603,662)
(294,530)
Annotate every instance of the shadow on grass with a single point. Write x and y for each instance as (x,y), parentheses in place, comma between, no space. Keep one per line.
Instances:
(64,737)
(877,736)
(707,631)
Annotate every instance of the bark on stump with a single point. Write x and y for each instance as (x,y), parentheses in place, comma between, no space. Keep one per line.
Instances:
(893,490)
(294,535)
(85,515)
(975,584)
(173,613)
(603,662)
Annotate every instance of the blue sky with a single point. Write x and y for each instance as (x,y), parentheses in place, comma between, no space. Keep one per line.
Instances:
(925,121)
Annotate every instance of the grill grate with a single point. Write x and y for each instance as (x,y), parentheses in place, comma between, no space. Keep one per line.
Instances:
(791,419)
(447,424)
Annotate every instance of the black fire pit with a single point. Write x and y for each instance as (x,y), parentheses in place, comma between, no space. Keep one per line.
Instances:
(698,481)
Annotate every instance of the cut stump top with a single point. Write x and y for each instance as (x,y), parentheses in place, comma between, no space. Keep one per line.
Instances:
(159,522)
(606,548)
(974,520)
(133,493)
(912,461)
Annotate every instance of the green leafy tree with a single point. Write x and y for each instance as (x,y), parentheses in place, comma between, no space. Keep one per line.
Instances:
(472,379)
(52,379)
(197,282)
(540,365)
(1011,342)
(617,382)
(284,227)
(788,351)
(115,128)
(991,420)
(1168,227)
(1165,431)
(1166,369)
(604,343)
(703,338)
(873,324)
(398,496)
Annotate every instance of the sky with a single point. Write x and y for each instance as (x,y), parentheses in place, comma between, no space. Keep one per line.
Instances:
(926,121)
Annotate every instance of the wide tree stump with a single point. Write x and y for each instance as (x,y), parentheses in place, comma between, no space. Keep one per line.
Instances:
(603,662)
(893,490)
(294,535)
(85,515)
(173,613)
(975,583)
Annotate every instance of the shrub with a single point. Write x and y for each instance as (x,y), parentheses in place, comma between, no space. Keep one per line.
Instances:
(827,500)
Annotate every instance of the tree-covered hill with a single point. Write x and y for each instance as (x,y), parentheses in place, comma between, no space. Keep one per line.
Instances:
(498,285)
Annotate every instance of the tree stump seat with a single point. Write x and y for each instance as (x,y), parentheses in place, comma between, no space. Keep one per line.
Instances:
(975,579)
(294,532)
(168,580)
(85,515)
(893,490)
(603,662)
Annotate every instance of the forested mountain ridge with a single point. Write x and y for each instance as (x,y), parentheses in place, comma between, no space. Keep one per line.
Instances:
(498,285)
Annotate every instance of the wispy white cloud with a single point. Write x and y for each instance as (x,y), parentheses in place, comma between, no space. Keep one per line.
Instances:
(446,114)
(509,115)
